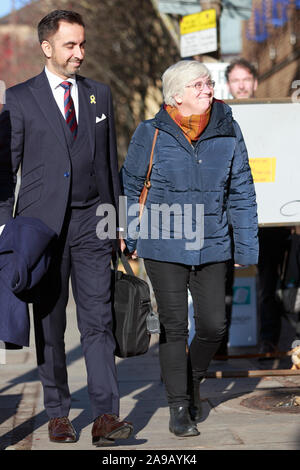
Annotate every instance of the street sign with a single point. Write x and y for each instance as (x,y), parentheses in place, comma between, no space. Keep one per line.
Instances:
(232,8)
(198,33)
(180,7)
(237,9)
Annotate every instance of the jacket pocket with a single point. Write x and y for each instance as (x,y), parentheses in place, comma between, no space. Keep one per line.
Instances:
(101,127)
(213,202)
(29,196)
(32,177)
(174,178)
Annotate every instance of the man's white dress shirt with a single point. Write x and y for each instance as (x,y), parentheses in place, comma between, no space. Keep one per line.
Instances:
(58,91)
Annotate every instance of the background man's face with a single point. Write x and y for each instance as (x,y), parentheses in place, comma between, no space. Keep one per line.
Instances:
(65,49)
(241,83)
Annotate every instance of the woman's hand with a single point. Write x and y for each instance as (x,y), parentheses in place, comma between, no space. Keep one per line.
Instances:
(133,255)
(123,248)
(239,266)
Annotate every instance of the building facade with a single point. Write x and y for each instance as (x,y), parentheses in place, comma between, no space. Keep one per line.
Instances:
(271,41)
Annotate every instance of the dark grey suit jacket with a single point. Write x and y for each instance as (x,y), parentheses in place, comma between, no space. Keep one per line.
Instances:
(31,135)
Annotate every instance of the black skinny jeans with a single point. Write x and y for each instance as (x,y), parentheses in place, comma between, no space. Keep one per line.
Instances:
(170,282)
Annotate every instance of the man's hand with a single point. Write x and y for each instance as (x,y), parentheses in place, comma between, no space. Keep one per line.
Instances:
(122,244)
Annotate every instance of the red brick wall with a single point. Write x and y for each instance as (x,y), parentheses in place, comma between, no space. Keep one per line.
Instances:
(277,73)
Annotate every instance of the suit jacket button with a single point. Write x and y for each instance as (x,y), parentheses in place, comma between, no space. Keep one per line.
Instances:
(67,174)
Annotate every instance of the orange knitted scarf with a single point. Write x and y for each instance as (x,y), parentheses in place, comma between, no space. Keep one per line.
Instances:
(193,125)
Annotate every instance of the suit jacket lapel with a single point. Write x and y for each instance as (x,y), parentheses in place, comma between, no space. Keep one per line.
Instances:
(42,93)
(87,108)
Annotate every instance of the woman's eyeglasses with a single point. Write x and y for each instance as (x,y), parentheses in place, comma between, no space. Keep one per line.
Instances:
(200,85)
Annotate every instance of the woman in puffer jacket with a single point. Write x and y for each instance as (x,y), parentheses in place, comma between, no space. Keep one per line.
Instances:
(200,180)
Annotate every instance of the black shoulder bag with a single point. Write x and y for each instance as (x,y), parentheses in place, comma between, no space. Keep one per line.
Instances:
(132,311)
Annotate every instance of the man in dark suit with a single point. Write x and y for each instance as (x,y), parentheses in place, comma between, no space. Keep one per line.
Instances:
(59,127)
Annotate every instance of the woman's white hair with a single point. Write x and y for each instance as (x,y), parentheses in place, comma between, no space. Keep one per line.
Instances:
(178,75)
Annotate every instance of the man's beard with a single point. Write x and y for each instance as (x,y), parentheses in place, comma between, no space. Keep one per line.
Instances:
(63,69)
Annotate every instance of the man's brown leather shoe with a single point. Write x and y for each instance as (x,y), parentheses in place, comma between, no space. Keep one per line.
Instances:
(108,427)
(61,430)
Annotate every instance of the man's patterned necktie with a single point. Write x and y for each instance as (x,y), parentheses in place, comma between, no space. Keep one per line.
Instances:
(70,114)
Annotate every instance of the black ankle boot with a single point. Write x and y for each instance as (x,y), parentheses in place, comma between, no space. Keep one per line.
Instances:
(195,407)
(181,423)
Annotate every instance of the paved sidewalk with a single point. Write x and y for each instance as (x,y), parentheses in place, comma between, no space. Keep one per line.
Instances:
(227,424)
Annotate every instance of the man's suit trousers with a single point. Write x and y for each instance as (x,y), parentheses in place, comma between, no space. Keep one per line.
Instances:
(85,259)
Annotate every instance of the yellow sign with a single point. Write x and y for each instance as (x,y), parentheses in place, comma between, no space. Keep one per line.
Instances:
(198,22)
(263,169)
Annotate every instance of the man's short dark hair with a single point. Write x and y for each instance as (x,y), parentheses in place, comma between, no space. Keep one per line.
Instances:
(50,23)
(244,64)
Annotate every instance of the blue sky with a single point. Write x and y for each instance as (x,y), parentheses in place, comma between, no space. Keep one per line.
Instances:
(5,6)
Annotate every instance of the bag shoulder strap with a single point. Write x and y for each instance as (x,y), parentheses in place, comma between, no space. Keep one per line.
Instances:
(147,180)
(120,255)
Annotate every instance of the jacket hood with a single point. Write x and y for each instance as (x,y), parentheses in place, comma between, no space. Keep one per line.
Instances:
(220,122)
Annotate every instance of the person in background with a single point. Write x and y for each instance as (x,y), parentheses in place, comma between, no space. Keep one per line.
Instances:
(241,77)
(200,161)
(242,83)
(59,128)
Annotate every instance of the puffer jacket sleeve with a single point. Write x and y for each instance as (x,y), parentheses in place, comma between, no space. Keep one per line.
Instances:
(242,205)
(132,175)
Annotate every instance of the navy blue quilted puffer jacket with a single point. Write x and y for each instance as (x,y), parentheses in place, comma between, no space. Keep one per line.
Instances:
(194,191)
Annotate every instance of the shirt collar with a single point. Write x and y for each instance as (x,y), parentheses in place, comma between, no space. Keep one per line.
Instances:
(55,80)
